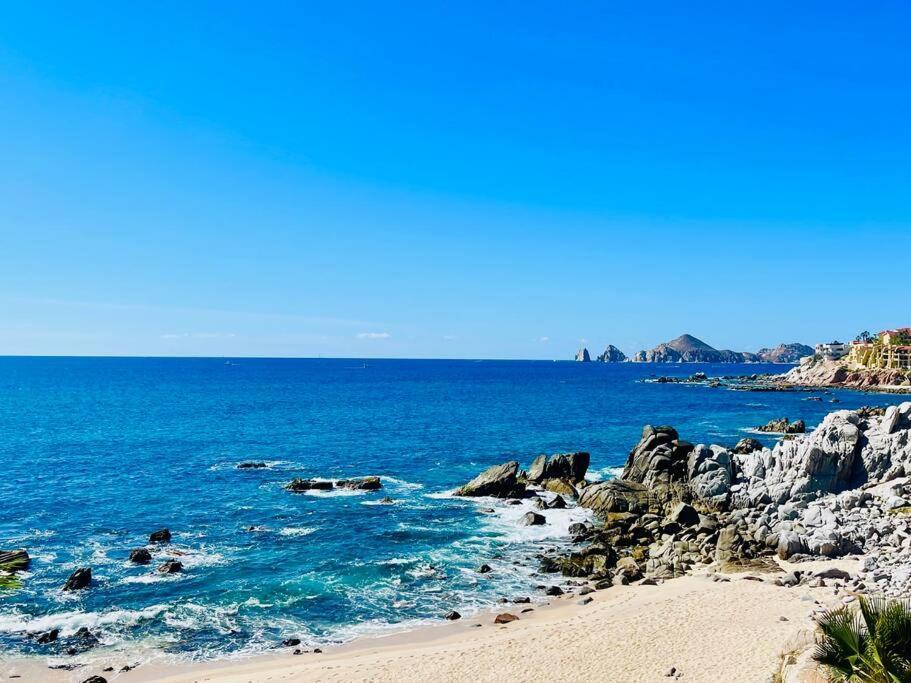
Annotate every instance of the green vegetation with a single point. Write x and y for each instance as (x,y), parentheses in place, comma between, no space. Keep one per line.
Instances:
(871,644)
(8,582)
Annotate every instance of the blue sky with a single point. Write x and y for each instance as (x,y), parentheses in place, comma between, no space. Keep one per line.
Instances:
(450,180)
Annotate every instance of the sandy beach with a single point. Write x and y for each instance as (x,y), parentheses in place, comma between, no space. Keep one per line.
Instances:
(707,630)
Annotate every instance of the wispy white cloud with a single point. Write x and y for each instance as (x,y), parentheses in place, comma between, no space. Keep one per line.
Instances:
(543,340)
(449,337)
(374,335)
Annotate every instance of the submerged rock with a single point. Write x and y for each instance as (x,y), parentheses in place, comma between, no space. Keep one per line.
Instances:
(499,481)
(79,579)
(251,466)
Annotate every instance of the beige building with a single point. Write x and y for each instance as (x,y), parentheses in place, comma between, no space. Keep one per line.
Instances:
(890,350)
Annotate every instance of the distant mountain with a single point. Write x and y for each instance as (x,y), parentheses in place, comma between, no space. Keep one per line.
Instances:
(785,353)
(612,355)
(688,349)
(582,355)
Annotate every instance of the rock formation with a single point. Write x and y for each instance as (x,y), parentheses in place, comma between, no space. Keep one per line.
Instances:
(79,579)
(785,353)
(582,355)
(843,488)
(612,355)
(14,560)
(688,349)
(500,481)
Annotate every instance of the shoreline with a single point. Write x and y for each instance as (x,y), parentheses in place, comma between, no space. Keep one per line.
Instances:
(708,630)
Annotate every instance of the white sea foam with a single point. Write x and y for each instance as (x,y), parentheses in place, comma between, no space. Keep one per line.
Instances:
(605,473)
(297,530)
(70,622)
(401,483)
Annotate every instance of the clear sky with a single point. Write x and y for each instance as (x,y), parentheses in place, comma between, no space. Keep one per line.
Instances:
(463,179)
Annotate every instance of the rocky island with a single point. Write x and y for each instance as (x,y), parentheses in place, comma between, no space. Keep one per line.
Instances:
(688,349)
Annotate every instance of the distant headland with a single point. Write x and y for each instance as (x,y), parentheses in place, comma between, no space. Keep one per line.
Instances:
(688,349)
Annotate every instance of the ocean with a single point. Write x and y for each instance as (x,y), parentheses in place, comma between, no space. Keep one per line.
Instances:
(100,452)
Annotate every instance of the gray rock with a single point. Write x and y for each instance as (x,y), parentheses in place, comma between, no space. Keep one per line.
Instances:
(499,481)
(79,579)
(532,519)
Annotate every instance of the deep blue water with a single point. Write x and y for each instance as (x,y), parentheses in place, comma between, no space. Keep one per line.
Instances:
(100,452)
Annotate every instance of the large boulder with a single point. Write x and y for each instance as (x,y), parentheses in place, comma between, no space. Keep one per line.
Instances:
(570,466)
(709,474)
(615,495)
(659,458)
(499,481)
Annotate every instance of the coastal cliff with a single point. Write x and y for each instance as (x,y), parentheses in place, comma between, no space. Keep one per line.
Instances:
(824,373)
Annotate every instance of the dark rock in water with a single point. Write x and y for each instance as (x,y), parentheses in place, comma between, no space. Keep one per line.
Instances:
(298,485)
(505,618)
(140,556)
(557,503)
(48,636)
(539,504)
(79,579)
(251,466)
(453,615)
(83,639)
(291,642)
(747,445)
(362,484)
(386,500)
(484,569)
(171,567)
(532,519)
(571,466)
(14,560)
(160,536)
(499,481)
(553,591)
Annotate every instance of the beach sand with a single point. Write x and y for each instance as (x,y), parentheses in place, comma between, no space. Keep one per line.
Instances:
(734,631)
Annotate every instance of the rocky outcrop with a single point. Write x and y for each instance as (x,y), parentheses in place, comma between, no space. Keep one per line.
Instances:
(298,485)
(612,355)
(160,536)
(582,355)
(823,373)
(747,445)
(252,466)
(688,349)
(140,556)
(499,481)
(362,484)
(14,560)
(785,353)
(844,488)
(79,579)
(171,567)
(569,466)
(783,426)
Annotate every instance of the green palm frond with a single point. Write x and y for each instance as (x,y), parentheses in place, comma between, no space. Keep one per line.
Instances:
(870,645)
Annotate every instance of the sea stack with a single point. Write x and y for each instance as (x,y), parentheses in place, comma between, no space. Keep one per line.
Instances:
(582,356)
(612,355)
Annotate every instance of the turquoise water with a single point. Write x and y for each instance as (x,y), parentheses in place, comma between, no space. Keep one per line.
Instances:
(100,452)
